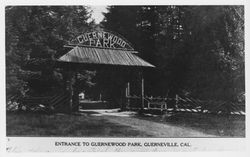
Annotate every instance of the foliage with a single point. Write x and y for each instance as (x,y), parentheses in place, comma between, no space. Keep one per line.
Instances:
(35,35)
(198,50)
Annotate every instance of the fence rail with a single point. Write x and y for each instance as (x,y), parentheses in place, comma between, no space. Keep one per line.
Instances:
(57,102)
(188,104)
(60,101)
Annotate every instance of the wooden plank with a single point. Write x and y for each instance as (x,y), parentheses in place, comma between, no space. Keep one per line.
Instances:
(103,56)
(62,100)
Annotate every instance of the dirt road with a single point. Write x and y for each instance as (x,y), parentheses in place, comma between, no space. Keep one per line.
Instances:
(153,129)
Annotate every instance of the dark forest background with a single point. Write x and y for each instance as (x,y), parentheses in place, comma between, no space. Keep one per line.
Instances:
(198,50)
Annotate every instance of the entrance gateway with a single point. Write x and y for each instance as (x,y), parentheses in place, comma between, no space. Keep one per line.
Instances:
(103,39)
(98,49)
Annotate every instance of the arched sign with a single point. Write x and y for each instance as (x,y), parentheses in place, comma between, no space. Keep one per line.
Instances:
(101,39)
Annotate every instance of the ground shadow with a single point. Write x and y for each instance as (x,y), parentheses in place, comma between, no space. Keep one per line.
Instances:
(64,125)
(219,125)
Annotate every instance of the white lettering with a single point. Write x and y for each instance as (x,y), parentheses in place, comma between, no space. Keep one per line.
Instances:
(94,35)
(123,44)
(100,35)
(119,41)
(102,39)
(105,42)
(85,38)
(114,39)
(91,42)
(88,34)
(110,36)
(98,43)
(105,35)
(80,39)
(112,44)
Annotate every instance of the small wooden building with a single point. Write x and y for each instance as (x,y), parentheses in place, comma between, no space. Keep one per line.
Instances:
(96,50)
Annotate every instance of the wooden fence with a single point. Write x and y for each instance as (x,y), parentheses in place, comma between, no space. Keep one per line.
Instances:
(57,102)
(189,104)
(60,102)
(186,104)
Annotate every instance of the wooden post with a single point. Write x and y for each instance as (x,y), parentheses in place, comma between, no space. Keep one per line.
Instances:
(128,88)
(142,91)
(75,93)
(176,102)
(128,94)
(100,97)
(70,90)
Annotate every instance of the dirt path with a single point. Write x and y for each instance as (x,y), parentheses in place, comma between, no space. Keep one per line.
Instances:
(151,128)
(156,129)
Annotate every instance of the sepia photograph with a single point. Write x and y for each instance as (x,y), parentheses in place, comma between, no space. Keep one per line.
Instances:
(125,71)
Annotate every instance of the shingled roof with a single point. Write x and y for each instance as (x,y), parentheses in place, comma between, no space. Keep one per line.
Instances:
(90,55)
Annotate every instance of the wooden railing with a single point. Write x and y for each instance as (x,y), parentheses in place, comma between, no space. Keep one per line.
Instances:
(187,104)
(156,103)
(34,103)
(57,102)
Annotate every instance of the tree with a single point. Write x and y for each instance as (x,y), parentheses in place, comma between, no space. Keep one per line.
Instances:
(198,50)
(137,25)
(35,35)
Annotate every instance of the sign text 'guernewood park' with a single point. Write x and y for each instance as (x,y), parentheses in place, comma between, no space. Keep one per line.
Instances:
(103,39)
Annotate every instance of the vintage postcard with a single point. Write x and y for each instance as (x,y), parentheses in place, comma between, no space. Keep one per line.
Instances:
(124,78)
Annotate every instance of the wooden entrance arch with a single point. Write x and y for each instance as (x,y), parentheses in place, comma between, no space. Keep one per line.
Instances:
(95,50)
